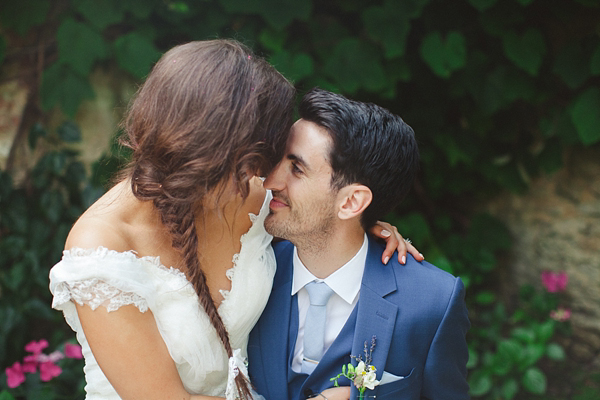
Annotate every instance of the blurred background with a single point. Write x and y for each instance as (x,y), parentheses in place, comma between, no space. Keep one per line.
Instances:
(504,97)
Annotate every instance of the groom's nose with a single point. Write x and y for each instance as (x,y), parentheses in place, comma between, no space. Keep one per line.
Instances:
(274,180)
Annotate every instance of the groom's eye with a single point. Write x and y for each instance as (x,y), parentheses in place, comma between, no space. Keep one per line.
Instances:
(295,169)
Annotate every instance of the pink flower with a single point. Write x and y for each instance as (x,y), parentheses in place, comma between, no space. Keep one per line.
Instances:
(30,367)
(73,351)
(36,347)
(560,314)
(15,375)
(49,370)
(52,357)
(554,281)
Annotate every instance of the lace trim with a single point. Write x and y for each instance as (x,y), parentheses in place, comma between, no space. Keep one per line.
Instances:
(96,293)
(235,259)
(130,255)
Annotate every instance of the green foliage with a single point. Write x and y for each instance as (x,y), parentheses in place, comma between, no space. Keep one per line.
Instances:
(585,115)
(35,218)
(507,352)
(444,55)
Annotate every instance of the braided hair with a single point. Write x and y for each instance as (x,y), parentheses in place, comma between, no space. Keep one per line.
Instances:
(209,111)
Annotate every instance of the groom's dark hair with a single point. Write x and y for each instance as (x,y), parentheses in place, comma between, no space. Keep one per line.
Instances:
(371,146)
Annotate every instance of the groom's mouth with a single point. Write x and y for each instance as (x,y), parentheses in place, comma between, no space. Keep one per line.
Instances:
(277,203)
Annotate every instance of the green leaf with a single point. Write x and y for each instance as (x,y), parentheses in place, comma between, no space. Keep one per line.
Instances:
(5,395)
(79,46)
(139,8)
(482,5)
(554,351)
(17,220)
(101,13)
(354,65)
(39,308)
(479,383)
(179,6)
(488,232)
(485,297)
(272,40)
(550,159)
(525,335)
(57,161)
(292,66)
(534,381)
(545,330)
(52,204)
(61,86)
(585,116)
(36,131)
(17,275)
(23,15)
(69,132)
(533,352)
(572,65)
(509,389)
(473,358)
(415,226)
(526,51)
(595,62)
(444,56)
(75,173)
(91,194)
(388,26)
(136,54)
(511,349)
(278,13)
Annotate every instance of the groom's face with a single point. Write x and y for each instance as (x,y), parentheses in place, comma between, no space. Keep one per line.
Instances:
(303,200)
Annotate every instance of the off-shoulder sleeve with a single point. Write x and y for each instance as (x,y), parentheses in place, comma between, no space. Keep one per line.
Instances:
(102,277)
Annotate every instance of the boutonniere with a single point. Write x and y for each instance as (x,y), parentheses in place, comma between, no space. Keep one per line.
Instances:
(363,375)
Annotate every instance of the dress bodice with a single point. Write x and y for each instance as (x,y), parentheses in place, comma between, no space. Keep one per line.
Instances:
(102,277)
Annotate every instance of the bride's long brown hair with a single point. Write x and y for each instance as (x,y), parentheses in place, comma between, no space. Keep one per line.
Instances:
(209,111)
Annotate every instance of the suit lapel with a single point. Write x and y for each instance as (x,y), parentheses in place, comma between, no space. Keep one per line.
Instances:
(376,316)
(274,325)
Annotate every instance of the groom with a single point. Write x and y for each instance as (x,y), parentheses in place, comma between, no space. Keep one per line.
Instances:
(346,165)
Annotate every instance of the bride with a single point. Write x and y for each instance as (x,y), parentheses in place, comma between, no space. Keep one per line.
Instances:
(163,277)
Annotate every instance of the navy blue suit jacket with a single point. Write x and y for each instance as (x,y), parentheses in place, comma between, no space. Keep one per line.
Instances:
(416,311)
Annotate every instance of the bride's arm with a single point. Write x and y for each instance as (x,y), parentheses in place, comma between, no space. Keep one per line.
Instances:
(132,354)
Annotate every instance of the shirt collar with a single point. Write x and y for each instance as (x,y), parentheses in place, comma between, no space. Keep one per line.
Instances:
(345,282)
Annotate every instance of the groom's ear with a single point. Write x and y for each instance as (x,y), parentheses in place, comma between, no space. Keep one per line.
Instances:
(353,200)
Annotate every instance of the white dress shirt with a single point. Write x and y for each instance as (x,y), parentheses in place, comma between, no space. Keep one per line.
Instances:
(345,283)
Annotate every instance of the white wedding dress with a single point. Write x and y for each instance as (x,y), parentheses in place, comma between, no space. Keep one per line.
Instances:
(112,279)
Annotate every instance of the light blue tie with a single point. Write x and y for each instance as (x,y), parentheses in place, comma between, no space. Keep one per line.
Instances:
(314,327)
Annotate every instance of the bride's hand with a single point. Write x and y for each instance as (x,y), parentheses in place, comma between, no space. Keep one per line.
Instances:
(336,393)
(394,241)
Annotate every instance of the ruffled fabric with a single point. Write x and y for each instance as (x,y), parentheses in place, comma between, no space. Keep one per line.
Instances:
(103,277)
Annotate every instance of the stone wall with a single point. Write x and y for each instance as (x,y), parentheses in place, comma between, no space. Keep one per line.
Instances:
(556,226)
(97,118)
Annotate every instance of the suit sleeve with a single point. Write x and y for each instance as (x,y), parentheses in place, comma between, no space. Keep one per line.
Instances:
(445,373)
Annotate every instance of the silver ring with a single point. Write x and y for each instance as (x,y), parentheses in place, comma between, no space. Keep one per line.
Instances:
(407,240)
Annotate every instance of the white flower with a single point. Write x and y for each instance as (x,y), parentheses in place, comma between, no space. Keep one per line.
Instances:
(369,380)
(365,376)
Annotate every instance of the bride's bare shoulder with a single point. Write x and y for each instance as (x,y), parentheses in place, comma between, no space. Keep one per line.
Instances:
(102,224)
